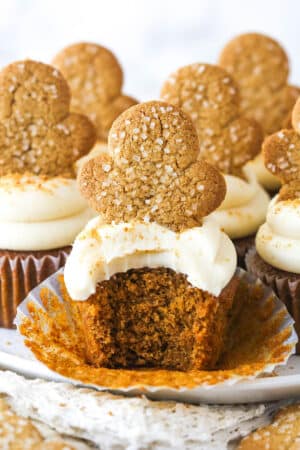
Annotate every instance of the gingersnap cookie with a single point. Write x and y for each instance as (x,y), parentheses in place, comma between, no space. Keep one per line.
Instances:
(281,154)
(95,78)
(152,172)
(282,434)
(38,134)
(260,68)
(41,208)
(210,97)
(276,260)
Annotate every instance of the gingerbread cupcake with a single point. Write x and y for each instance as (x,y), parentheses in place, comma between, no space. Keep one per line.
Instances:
(260,67)
(152,287)
(227,140)
(95,77)
(41,210)
(276,260)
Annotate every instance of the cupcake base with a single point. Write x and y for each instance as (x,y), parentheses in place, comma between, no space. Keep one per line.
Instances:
(20,272)
(153,318)
(286,285)
(242,246)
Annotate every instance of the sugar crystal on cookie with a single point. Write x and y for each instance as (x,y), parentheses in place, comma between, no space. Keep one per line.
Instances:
(38,134)
(209,96)
(156,174)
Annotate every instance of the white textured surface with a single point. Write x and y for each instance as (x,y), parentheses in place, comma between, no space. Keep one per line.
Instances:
(115,422)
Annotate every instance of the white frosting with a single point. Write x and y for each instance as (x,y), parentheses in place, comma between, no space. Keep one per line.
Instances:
(37,213)
(264,176)
(278,240)
(244,208)
(205,254)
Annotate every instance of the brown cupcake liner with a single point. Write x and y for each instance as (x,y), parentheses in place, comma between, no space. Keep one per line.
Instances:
(285,286)
(20,272)
(242,245)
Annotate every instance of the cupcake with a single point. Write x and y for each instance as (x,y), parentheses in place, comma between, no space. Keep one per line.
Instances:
(260,68)
(276,259)
(95,78)
(227,140)
(151,280)
(41,210)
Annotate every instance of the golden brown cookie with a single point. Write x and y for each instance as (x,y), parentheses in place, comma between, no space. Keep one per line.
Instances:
(152,172)
(282,434)
(260,67)
(38,134)
(18,433)
(208,94)
(282,157)
(95,78)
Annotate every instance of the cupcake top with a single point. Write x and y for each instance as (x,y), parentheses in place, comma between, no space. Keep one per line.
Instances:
(227,140)
(260,68)
(41,140)
(95,78)
(152,195)
(278,240)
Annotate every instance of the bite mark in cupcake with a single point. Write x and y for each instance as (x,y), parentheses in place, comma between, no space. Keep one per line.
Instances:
(154,276)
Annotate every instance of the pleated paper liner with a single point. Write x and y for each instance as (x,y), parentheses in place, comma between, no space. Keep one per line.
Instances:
(20,272)
(261,336)
(285,285)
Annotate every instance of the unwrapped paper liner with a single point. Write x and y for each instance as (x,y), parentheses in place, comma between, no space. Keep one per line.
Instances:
(261,337)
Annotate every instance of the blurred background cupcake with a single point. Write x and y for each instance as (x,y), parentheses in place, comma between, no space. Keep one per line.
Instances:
(228,140)
(95,78)
(41,210)
(276,259)
(260,67)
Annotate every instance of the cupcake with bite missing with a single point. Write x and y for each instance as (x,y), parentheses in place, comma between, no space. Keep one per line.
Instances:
(228,140)
(152,280)
(41,210)
(260,67)
(95,78)
(276,259)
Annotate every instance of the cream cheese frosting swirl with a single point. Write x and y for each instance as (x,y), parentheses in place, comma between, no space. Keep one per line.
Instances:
(244,208)
(40,213)
(204,254)
(263,175)
(278,240)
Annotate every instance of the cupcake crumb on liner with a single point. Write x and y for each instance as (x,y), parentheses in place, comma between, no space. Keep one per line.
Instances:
(260,338)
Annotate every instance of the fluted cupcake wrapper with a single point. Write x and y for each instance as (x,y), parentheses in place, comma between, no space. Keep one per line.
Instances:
(19,274)
(261,337)
(242,245)
(287,289)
